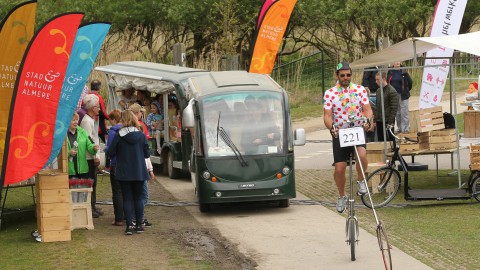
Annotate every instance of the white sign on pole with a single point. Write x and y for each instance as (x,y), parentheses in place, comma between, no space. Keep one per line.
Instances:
(446,22)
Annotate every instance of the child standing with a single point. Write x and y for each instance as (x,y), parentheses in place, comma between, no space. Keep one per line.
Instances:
(155,123)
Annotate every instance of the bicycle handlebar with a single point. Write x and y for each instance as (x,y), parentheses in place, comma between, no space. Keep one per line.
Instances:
(398,139)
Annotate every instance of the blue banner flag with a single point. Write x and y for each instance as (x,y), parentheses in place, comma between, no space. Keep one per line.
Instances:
(87,44)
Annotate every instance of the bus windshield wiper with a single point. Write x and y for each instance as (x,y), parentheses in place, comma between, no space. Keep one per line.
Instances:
(218,124)
(232,145)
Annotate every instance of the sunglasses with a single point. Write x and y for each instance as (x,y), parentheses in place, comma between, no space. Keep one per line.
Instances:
(348,75)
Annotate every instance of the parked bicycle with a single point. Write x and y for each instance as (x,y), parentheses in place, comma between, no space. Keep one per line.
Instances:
(386,181)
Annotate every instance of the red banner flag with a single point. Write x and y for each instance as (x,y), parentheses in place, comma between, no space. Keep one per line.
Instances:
(269,36)
(35,98)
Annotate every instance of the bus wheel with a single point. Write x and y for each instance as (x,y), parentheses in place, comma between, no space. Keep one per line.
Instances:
(173,173)
(204,207)
(284,203)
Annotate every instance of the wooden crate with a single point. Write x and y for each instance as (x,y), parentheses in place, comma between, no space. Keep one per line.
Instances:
(471,121)
(407,146)
(375,152)
(474,157)
(438,139)
(423,120)
(81,212)
(53,206)
(53,179)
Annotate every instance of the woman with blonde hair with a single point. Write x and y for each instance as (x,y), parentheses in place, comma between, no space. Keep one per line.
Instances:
(130,147)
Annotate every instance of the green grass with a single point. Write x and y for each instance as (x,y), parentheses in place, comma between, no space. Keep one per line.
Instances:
(447,230)
(86,250)
(306,111)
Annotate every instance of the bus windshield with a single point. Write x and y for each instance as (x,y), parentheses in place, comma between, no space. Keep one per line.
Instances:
(243,123)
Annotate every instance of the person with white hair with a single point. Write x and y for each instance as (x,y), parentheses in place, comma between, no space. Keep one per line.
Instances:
(90,124)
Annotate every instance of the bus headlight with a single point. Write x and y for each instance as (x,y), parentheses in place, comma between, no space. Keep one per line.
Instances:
(286,170)
(218,194)
(206,175)
(276,191)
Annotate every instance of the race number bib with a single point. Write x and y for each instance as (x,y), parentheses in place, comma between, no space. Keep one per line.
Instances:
(351,136)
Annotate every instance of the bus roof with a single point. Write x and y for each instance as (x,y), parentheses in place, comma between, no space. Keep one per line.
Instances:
(152,77)
(225,81)
(152,71)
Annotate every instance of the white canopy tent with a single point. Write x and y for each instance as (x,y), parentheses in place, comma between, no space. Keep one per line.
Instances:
(410,47)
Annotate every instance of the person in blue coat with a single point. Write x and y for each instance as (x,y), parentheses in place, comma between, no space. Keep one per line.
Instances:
(117,199)
(130,147)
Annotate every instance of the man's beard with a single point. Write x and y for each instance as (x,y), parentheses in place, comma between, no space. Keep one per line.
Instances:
(344,83)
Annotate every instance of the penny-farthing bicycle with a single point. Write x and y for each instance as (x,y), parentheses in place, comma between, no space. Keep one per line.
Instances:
(349,137)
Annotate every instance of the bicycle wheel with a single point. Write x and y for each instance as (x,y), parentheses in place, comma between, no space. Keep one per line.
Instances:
(384,184)
(384,246)
(475,188)
(352,236)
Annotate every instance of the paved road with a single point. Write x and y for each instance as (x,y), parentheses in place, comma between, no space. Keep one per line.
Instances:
(298,237)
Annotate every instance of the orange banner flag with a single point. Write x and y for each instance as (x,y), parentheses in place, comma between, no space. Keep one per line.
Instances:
(269,36)
(16,30)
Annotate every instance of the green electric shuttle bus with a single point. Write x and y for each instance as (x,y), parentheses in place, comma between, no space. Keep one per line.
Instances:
(234,139)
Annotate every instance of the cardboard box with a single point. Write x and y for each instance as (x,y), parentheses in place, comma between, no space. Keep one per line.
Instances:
(428,119)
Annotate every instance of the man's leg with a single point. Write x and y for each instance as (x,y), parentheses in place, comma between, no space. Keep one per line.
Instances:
(364,162)
(362,156)
(339,176)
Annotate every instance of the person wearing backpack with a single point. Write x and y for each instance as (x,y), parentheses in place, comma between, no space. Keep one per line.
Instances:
(402,82)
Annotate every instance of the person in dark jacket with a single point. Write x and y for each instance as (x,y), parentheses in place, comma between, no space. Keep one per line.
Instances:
(130,146)
(390,105)
(368,79)
(402,82)
(117,199)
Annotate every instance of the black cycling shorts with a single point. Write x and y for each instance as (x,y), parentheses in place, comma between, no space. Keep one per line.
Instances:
(342,154)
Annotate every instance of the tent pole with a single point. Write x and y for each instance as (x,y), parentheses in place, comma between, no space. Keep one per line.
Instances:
(414,53)
(454,97)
